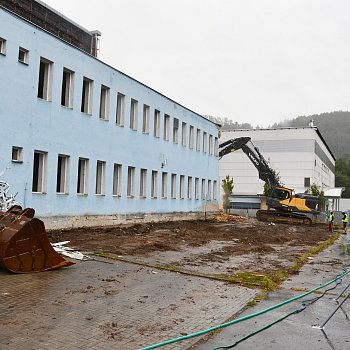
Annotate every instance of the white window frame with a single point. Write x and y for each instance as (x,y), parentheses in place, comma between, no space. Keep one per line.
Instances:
(23,55)
(205,142)
(17,154)
(183,134)
(145,119)
(164,185)
(209,191)
(86,96)
(173,186)
(156,123)
(100,177)
(182,187)
(203,190)
(83,174)
(131,182)
(166,127)
(198,140)
(189,187)
(196,188)
(45,79)
(210,144)
(191,137)
(2,46)
(133,114)
(143,183)
(154,184)
(215,189)
(216,147)
(120,111)
(62,178)
(39,179)
(67,90)
(104,102)
(117,179)
(176,124)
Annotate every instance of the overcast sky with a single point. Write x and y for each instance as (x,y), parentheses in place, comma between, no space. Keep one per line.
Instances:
(255,61)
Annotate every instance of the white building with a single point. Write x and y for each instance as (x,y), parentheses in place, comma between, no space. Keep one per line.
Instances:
(300,156)
(85,144)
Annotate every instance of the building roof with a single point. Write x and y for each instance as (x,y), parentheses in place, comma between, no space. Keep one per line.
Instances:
(334,192)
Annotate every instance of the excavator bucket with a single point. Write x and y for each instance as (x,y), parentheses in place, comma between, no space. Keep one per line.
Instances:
(24,246)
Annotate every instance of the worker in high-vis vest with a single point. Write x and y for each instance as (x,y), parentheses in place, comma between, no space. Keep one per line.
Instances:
(345,220)
(330,221)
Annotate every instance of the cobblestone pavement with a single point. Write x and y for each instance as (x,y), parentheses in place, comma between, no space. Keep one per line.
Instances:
(297,331)
(110,305)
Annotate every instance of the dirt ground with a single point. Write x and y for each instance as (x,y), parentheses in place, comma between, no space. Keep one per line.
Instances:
(226,244)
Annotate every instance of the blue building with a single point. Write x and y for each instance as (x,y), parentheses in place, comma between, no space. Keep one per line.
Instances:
(85,144)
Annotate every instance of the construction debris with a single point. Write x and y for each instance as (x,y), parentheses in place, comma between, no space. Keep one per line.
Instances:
(226,217)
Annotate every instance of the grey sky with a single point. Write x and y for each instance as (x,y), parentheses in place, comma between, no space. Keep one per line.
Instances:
(255,61)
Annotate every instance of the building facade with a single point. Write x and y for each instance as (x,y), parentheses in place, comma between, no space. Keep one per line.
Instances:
(300,156)
(82,142)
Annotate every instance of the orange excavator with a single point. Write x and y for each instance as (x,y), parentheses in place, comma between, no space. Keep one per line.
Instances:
(24,246)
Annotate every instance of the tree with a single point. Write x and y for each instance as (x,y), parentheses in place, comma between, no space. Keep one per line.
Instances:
(316,191)
(342,175)
(227,186)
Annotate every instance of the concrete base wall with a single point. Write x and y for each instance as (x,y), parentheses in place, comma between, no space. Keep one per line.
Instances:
(56,223)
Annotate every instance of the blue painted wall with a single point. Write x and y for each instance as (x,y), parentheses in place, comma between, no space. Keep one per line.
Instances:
(36,124)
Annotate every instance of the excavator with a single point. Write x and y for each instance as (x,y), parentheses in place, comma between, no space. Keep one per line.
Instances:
(283,204)
(24,246)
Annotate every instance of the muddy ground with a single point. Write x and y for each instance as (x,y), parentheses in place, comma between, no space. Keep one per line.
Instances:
(224,245)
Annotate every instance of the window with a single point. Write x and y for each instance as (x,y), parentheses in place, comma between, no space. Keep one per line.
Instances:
(62,174)
(145,119)
(67,88)
(210,144)
(154,184)
(100,177)
(143,183)
(307,182)
(203,189)
(191,137)
(183,134)
(133,114)
(189,187)
(119,118)
(209,190)
(39,172)
(196,188)
(86,97)
(17,154)
(131,182)
(166,127)
(45,78)
(82,176)
(2,46)
(23,55)
(164,185)
(117,177)
(104,103)
(215,190)
(204,142)
(173,185)
(216,147)
(198,140)
(182,186)
(176,130)
(156,126)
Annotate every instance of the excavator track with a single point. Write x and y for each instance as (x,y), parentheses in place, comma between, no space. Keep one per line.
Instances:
(24,246)
(283,217)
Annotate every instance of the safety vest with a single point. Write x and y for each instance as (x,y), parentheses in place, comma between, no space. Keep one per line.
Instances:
(331,218)
(345,218)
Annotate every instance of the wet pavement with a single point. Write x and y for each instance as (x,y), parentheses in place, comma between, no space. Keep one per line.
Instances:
(301,330)
(106,304)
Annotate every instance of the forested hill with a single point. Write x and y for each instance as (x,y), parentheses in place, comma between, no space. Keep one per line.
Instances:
(334,127)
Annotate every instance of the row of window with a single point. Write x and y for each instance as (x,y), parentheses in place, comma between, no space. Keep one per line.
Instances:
(191,137)
(195,187)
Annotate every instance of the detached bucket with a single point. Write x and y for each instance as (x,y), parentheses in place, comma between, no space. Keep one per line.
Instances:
(24,246)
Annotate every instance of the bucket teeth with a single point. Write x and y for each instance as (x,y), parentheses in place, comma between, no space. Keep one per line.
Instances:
(24,246)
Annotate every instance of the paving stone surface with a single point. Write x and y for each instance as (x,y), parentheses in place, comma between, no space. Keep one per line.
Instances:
(110,305)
